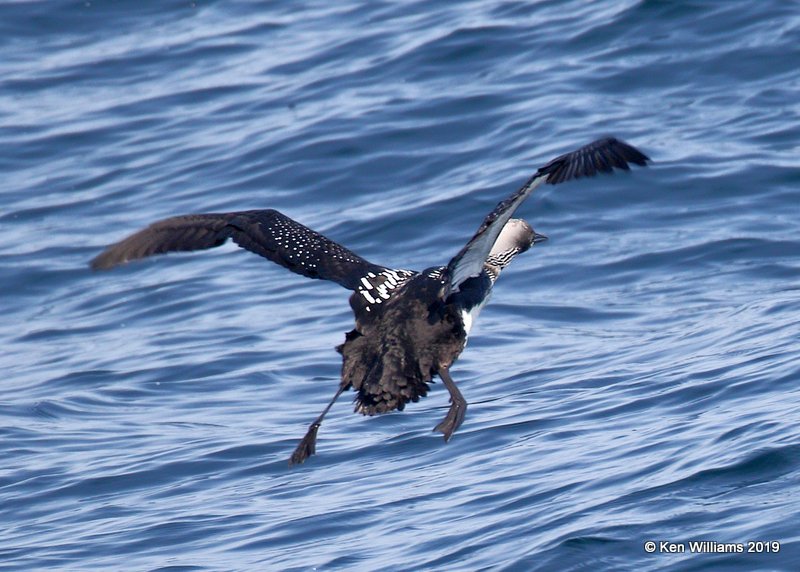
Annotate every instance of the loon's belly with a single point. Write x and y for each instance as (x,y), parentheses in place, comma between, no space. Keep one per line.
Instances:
(468,316)
(472,297)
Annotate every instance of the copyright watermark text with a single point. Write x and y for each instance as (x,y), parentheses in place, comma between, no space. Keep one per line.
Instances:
(711,547)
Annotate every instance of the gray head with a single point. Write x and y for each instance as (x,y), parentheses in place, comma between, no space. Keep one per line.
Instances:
(517,236)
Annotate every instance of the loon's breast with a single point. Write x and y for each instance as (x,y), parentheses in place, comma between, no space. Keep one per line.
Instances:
(472,297)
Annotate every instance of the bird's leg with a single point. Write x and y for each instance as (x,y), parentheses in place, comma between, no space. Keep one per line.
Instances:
(308,445)
(458,407)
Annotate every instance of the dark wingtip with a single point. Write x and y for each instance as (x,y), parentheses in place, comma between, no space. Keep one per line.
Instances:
(103,261)
(601,156)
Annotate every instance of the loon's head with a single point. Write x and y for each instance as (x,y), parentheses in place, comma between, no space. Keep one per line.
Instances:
(517,236)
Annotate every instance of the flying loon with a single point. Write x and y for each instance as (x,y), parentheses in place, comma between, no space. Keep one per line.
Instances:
(409,326)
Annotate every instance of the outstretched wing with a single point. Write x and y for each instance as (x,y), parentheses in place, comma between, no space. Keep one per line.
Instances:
(268,233)
(602,155)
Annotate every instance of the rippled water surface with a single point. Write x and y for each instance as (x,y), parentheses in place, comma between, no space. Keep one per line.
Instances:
(635,378)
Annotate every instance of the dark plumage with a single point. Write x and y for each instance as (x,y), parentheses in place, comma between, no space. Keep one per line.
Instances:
(410,326)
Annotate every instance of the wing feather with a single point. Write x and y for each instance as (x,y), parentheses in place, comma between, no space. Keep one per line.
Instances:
(268,233)
(602,155)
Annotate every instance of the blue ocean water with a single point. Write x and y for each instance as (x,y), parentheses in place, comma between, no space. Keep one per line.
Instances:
(634,379)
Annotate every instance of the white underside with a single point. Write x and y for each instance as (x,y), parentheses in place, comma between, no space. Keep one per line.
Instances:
(469,317)
(466,317)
